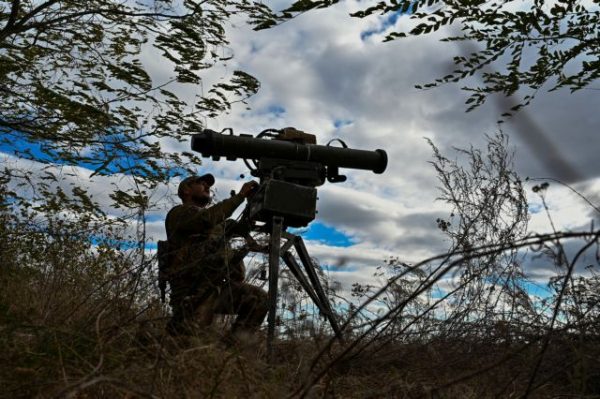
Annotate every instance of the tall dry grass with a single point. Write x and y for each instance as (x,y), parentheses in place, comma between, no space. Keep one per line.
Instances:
(80,314)
(82,320)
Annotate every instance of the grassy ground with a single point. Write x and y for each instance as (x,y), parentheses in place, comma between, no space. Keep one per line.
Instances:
(138,360)
(81,324)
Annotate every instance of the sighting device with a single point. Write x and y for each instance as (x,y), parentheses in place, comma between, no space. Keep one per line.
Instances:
(289,165)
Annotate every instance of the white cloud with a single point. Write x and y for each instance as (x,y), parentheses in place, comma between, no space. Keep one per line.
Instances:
(566,209)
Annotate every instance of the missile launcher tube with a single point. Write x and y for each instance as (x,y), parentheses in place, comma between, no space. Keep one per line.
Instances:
(213,144)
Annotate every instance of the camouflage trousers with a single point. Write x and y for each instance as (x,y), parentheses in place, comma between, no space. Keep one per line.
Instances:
(248,302)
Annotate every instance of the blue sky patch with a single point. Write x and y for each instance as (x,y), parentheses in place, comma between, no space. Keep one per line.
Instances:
(155,218)
(276,110)
(338,268)
(438,293)
(119,244)
(538,289)
(339,123)
(327,235)
(22,148)
(117,146)
(388,21)
(535,208)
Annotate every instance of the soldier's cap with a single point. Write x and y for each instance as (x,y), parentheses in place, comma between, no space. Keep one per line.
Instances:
(208,178)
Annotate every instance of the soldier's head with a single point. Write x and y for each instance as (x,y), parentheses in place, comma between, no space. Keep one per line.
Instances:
(196,189)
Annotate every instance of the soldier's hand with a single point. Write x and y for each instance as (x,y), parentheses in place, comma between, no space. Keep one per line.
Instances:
(248,189)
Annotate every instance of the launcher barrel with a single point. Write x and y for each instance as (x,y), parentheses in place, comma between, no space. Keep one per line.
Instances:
(212,144)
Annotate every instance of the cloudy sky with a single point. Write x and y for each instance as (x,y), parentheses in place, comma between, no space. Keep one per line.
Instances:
(330,75)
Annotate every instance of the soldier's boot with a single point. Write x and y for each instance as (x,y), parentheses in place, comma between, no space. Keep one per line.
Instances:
(182,321)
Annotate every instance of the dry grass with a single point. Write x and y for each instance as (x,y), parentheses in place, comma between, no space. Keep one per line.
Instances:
(86,324)
(138,360)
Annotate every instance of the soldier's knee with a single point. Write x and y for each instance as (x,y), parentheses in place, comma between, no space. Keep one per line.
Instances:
(257,296)
(258,293)
(264,297)
(262,300)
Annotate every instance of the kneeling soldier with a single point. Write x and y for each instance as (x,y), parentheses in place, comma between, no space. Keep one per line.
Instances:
(206,274)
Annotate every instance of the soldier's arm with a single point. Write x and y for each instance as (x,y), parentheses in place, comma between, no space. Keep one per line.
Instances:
(222,210)
(189,219)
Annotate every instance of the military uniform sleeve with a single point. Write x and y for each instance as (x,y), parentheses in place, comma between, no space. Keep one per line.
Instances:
(193,220)
(221,211)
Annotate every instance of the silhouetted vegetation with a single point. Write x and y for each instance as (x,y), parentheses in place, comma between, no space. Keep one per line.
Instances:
(80,314)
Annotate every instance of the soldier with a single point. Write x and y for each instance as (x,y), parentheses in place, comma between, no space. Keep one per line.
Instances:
(206,274)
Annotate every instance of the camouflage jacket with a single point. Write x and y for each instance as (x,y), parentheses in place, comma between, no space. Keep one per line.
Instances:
(199,248)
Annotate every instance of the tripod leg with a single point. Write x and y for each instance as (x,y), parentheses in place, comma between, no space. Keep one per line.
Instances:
(314,279)
(294,267)
(274,253)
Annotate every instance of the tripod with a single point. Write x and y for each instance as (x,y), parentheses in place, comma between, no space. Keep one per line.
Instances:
(309,281)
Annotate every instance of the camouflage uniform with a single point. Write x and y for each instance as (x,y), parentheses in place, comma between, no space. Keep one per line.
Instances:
(206,273)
